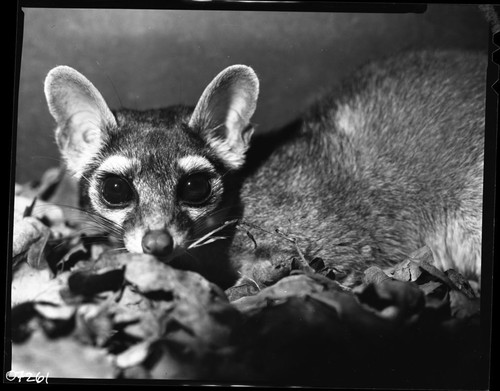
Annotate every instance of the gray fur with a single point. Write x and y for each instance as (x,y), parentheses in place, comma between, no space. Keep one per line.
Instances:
(389,161)
(400,168)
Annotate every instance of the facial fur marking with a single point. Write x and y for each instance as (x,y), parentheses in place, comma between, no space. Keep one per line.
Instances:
(116,164)
(133,240)
(118,216)
(195,213)
(194,162)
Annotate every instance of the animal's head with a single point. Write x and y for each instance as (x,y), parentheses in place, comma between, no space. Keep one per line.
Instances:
(160,179)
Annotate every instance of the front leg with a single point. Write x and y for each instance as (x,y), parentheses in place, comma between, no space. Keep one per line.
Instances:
(263,260)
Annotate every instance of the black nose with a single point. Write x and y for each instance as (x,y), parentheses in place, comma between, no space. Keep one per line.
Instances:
(157,242)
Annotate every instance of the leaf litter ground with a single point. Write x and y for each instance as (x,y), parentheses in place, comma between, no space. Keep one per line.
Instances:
(83,310)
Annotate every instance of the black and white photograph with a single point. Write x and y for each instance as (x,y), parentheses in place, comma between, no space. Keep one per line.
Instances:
(242,194)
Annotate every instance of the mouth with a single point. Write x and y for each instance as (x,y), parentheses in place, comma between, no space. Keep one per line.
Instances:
(170,258)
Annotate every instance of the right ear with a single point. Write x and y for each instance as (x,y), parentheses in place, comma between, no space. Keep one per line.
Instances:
(83,117)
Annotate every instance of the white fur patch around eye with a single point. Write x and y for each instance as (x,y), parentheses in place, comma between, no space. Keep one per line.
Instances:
(195,213)
(117,216)
(194,162)
(117,164)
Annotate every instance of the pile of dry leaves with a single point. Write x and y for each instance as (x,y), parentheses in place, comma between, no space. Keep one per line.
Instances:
(82,311)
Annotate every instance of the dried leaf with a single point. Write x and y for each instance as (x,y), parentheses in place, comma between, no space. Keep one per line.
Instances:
(393,299)
(29,209)
(76,252)
(374,275)
(148,326)
(317,264)
(193,302)
(329,273)
(406,271)
(21,321)
(28,284)
(54,311)
(292,286)
(172,360)
(246,288)
(325,279)
(94,324)
(430,287)
(146,273)
(49,182)
(56,328)
(21,204)
(33,206)
(461,283)
(88,283)
(424,259)
(61,357)
(133,356)
(30,236)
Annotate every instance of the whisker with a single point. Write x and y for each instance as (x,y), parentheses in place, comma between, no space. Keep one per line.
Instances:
(209,238)
(85,219)
(199,228)
(83,177)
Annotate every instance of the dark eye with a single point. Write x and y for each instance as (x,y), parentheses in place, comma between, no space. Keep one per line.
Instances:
(116,191)
(195,189)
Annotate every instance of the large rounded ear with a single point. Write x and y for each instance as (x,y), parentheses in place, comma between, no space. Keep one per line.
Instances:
(223,112)
(82,116)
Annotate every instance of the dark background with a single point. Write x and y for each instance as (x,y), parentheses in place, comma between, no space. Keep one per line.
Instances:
(153,58)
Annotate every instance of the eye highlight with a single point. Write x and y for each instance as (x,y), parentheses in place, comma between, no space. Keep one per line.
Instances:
(195,189)
(116,191)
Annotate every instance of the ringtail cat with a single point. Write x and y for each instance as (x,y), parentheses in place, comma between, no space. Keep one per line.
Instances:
(388,161)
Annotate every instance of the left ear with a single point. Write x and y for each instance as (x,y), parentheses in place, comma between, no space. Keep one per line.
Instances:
(223,112)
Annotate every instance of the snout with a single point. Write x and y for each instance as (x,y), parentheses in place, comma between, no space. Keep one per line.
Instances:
(163,242)
(157,242)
